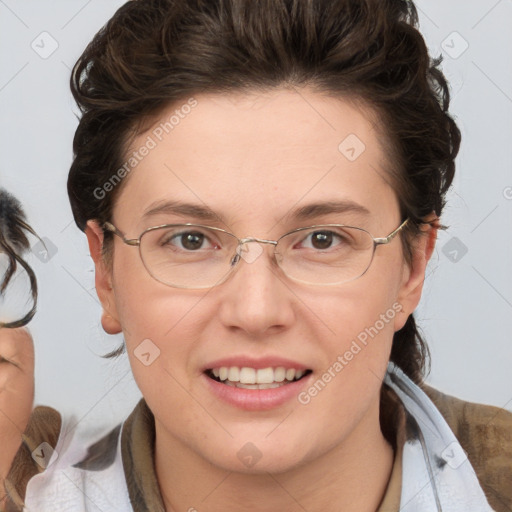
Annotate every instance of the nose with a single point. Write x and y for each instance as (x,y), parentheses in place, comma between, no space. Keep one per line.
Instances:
(256,299)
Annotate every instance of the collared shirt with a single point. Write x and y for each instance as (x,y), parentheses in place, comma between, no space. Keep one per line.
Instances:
(137,449)
(485,433)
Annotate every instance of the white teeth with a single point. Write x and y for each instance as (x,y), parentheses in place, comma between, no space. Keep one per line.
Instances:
(290,374)
(270,386)
(253,386)
(253,378)
(279,374)
(265,376)
(247,375)
(234,374)
(223,373)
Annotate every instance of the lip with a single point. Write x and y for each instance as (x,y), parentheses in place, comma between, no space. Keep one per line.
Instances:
(256,399)
(259,363)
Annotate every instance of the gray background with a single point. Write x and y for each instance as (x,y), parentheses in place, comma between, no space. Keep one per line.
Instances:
(467,304)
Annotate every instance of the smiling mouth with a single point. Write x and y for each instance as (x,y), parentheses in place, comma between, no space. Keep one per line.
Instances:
(252,378)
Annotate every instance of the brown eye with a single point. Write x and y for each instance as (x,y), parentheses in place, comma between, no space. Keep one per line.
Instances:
(192,241)
(187,241)
(321,240)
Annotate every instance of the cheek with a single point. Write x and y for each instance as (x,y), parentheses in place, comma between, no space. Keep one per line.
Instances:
(356,358)
(363,309)
(168,322)
(358,325)
(145,307)
(159,325)
(160,338)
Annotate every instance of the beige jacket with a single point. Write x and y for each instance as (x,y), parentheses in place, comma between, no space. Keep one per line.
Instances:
(485,433)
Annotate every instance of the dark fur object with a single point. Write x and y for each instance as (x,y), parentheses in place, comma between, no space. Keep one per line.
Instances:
(14,242)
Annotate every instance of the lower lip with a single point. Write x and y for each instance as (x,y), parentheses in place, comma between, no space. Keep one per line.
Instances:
(257,399)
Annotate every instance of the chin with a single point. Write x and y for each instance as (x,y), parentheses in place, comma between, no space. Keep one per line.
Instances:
(256,455)
(255,462)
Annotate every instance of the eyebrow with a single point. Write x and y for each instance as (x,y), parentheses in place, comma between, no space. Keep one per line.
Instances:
(324,208)
(184,209)
(205,213)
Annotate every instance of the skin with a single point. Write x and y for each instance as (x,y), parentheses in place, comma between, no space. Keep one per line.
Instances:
(253,158)
(16,393)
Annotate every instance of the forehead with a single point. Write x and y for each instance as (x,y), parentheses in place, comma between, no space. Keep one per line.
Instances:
(258,156)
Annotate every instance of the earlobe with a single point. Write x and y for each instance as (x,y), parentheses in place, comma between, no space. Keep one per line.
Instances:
(103,279)
(110,324)
(414,276)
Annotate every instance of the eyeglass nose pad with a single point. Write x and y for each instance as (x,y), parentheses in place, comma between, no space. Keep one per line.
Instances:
(236,258)
(249,250)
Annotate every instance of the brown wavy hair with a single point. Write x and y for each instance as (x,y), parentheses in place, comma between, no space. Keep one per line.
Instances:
(14,231)
(154,53)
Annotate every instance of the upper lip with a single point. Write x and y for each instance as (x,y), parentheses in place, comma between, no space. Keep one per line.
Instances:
(257,363)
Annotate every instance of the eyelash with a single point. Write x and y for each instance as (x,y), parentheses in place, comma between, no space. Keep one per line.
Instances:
(179,236)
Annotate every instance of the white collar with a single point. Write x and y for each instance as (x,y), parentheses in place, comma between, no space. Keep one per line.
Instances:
(437,475)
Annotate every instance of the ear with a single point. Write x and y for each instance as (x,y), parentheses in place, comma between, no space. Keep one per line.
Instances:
(103,279)
(414,274)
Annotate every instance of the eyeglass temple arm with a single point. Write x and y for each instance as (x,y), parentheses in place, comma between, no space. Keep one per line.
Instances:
(387,239)
(107,226)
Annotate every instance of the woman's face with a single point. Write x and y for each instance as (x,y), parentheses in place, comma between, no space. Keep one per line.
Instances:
(255,160)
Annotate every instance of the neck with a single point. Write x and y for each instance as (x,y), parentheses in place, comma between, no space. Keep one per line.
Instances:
(352,477)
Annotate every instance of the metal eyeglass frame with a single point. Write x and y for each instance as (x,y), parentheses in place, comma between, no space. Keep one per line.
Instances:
(108,226)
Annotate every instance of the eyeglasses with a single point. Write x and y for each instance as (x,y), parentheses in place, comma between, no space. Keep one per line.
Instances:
(194,256)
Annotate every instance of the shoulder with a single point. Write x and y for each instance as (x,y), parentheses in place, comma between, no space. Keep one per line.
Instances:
(57,461)
(485,433)
(38,440)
